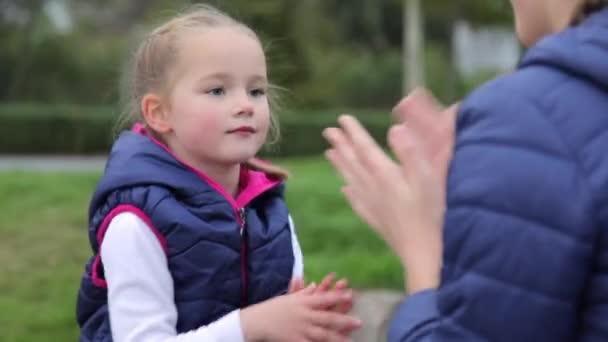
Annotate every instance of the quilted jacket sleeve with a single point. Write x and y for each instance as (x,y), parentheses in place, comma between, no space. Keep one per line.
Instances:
(518,231)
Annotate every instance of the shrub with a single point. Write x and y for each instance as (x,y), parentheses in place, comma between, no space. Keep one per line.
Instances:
(73,129)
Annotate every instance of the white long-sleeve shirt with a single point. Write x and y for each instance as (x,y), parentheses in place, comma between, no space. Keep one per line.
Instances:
(140,288)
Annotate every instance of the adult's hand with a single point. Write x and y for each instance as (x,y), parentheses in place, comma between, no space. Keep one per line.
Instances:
(403,201)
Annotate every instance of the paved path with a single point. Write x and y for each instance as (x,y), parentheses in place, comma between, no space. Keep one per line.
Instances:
(52,163)
(375,308)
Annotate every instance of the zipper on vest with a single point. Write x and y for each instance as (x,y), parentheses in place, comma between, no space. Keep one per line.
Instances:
(242,220)
(242,215)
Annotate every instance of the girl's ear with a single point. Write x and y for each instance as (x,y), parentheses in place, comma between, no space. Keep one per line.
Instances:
(155,114)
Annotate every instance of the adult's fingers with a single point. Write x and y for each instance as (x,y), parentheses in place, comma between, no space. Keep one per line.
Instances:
(444,153)
(360,203)
(364,146)
(407,150)
(343,157)
(419,101)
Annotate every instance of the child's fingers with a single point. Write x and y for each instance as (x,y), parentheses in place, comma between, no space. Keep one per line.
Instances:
(299,284)
(335,321)
(341,284)
(295,285)
(344,307)
(310,289)
(347,332)
(323,300)
(325,284)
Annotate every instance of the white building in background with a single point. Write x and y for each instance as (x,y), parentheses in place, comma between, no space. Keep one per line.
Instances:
(59,14)
(483,49)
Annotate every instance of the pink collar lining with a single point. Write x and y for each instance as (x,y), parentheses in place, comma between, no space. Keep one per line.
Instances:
(251,183)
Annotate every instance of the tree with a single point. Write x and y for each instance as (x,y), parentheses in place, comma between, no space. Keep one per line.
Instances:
(413,36)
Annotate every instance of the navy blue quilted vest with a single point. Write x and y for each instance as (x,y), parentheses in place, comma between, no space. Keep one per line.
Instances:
(223,253)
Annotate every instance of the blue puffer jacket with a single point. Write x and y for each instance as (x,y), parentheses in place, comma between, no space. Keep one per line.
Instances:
(222,253)
(526,243)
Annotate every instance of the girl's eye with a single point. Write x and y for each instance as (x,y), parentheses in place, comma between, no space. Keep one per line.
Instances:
(219,91)
(258,92)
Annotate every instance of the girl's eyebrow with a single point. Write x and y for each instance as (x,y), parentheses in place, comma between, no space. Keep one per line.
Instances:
(215,76)
(223,76)
(258,78)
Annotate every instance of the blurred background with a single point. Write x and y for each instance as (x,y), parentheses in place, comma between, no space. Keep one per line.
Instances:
(61,63)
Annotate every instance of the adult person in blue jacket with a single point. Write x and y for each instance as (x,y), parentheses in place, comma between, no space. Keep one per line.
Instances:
(519,250)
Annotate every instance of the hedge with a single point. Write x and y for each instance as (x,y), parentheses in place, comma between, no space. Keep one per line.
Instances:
(73,129)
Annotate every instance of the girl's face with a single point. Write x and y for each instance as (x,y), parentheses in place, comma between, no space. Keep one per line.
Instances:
(535,19)
(218,109)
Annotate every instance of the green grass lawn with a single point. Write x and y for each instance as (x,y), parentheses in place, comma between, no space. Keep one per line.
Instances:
(43,244)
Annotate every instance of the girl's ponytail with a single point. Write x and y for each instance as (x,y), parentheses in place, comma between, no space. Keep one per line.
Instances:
(269,169)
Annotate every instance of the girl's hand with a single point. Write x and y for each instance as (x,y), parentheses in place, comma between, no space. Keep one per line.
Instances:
(299,317)
(339,286)
(404,202)
(297,284)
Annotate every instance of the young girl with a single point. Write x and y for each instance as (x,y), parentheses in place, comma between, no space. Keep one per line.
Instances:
(187,235)
(519,251)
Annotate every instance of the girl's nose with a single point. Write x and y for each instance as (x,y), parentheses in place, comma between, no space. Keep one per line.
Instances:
(245,109)
(244,106)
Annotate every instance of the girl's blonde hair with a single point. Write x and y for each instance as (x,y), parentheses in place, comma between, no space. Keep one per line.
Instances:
(148,70)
